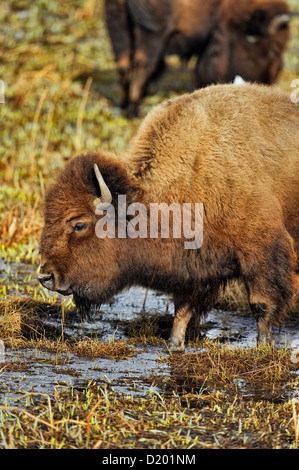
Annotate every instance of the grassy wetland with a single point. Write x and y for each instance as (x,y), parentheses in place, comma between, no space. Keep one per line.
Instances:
(109,383)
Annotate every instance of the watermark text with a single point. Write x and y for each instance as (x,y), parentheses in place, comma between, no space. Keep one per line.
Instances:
(158,220)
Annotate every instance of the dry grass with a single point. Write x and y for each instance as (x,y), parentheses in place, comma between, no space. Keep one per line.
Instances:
(21,325)
(216,397)
(111,350)
(98,417)
(20,319)
(295,403)
(226,367)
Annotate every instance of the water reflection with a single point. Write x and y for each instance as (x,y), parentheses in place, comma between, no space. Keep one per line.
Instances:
(33,370)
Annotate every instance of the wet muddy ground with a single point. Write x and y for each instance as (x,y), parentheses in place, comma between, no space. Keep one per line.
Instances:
(36,370)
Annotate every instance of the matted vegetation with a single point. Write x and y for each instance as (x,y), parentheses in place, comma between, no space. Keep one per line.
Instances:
(211,417)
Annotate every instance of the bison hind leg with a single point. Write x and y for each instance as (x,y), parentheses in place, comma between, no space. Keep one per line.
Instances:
(263,319)
(270,283)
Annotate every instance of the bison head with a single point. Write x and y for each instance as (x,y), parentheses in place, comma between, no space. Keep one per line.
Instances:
(73,260)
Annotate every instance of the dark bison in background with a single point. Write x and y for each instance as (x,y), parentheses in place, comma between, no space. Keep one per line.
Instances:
(232,148)
(229,37)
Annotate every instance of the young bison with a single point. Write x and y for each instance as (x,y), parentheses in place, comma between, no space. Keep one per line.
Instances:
(232,148)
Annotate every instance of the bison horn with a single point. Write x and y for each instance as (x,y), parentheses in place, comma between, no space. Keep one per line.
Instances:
(278,21)
(106,196)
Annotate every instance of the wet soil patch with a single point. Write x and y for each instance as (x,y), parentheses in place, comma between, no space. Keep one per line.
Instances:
(123,344)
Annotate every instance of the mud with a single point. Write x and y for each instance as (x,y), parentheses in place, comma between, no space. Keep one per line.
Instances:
(35,370)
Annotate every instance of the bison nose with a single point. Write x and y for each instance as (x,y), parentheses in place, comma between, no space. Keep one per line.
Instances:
(47,280)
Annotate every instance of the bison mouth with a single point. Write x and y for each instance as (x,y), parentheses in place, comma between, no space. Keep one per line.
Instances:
(65,292)
(86,297)
(84,306)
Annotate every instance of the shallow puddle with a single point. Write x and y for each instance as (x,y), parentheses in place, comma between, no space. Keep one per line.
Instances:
(31,370)
(34,370)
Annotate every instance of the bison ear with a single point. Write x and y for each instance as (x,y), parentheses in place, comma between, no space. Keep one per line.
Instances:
(279,22)
(261,24)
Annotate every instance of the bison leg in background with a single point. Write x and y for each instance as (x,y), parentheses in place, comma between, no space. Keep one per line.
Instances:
(212,64)
(123,68)
(119,31)
(147,56)
(182,317)
(270,284)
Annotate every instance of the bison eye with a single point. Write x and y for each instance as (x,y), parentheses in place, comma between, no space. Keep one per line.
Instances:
(80,226)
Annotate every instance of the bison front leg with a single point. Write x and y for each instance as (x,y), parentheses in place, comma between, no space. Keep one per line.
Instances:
(176,342)
(147,56)
(123,68)
(120,33)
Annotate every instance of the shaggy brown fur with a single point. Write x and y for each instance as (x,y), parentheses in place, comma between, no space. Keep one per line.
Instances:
(234,149)
(229,38)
